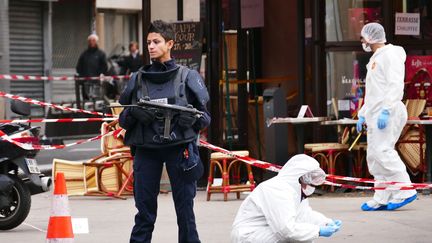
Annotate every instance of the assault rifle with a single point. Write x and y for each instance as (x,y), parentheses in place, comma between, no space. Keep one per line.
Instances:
(164,111)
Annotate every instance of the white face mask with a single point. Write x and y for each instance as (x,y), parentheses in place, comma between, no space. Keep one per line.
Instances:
(366,47)
(309,190)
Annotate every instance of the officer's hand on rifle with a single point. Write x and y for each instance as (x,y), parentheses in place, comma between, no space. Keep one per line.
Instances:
(186,119)
(143,115)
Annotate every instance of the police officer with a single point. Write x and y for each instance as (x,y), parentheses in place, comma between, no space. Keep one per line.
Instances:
(164,81)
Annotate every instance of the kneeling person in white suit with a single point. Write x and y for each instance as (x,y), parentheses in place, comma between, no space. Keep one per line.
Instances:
(278,211)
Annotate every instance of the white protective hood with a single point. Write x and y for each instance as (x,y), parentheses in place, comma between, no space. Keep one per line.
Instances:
(274,211)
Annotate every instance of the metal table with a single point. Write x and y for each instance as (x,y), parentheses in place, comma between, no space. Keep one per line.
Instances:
(299,124)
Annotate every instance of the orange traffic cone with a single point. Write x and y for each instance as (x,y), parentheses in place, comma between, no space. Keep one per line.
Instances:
(60,222)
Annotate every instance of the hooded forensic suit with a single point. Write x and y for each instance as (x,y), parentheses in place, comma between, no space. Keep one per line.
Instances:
(384,91)
(275,211)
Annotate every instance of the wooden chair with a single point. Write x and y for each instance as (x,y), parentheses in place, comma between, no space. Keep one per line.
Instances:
(98,176)
(229,166)
(411,145)
(108,174)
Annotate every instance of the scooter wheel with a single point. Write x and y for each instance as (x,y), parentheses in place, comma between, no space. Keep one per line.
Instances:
(20,202)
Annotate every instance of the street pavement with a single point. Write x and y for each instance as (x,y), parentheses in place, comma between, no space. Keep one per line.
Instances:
(111,220)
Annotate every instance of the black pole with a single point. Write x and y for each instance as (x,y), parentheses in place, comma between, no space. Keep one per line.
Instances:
(253,75)
(179,10)
(301,51)
(213,23)
(301,70)
(145,16)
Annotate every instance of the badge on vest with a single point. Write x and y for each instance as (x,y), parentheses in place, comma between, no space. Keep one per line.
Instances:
(161,100)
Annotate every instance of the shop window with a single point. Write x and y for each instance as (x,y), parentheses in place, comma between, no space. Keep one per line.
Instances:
(346,73)
(120,30)
(418,76)
(424,8)
(345,19)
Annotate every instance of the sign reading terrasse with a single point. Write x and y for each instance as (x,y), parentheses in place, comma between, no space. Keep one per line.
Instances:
(187,49)
(407,24)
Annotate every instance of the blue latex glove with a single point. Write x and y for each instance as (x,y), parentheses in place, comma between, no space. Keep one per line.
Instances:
(383,119)
(360,122)
(327,230)
(336,224)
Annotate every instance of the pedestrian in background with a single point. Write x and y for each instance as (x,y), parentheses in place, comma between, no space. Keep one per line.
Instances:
(133,61)
(91,63)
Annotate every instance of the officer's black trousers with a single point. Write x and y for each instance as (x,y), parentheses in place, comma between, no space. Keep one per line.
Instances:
(148,164)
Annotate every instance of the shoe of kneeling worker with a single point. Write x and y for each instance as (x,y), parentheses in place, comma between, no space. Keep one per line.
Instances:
(395,204)
(373,205)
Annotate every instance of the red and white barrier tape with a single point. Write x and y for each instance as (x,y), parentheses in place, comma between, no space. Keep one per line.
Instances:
(276,168)
(57,78)
(395,187)
(61,120)
(27,146)
(59,107)
(246,159)
(371,181)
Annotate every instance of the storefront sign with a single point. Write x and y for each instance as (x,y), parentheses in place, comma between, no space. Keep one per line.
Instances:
(418,78)
(252,13)
(407,24)
(187,49)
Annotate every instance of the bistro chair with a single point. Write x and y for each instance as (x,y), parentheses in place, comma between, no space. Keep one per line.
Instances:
(411,145)
(229,167)
(108,174)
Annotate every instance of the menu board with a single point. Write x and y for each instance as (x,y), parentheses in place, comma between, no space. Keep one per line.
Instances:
(187,49)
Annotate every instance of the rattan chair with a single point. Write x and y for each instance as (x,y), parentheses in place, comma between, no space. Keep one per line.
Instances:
(411,145)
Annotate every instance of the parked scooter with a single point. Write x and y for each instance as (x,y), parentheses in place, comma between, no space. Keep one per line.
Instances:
(20,176)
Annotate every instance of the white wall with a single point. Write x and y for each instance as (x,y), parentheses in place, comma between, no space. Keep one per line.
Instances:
(123,4)
(191,10)
(164,10)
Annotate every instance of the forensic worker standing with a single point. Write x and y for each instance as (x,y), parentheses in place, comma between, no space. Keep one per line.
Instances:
(166,82)
(277,210)
(385,116)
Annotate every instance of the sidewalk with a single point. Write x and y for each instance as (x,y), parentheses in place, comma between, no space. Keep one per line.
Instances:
(111,220)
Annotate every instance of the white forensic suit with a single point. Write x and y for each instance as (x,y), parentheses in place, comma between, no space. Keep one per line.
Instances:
(384,90)
(275,212)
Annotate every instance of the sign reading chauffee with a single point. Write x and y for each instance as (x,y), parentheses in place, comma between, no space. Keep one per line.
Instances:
(407,24)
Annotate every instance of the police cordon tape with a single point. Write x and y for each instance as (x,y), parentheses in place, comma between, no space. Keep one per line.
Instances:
(59,107)
(58,78)
(246,159)
(392,187)
(61,120)
(28,146)
(370,181)
(276,168)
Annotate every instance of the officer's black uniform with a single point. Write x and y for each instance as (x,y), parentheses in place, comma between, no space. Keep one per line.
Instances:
(181,86)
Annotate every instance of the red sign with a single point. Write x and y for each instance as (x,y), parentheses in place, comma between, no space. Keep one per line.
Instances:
(418,78)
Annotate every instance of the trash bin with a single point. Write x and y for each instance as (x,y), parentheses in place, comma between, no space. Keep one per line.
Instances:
(275,136)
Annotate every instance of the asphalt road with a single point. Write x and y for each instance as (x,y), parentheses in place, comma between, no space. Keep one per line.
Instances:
(111,220)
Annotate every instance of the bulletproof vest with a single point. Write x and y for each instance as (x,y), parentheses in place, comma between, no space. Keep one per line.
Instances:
(170,87)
